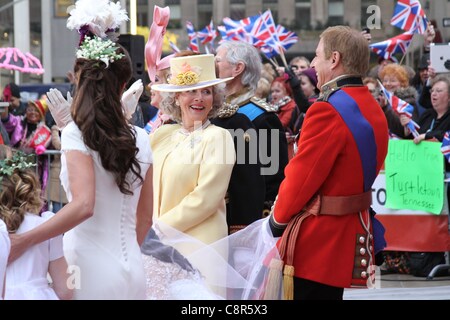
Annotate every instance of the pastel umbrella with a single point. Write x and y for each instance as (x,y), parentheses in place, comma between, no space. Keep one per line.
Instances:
(14,59)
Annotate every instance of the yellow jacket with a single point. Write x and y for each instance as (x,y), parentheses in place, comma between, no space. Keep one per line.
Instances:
(190,179)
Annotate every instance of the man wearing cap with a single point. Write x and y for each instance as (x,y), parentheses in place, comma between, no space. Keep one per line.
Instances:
(328,185)
(11,94)
(243,62)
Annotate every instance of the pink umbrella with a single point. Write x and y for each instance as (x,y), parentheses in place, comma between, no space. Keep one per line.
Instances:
(14,59)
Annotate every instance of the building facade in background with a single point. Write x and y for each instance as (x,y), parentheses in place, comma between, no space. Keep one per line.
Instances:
(39,26)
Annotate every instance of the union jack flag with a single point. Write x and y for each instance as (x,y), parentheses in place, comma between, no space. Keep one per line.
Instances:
(235,29)
(223,34)
(269,52)
(193,40)
(445,148)
(409,16)
(263,30)
(269,21)
(207,34)
(401,107)
(287,38)
(390,47)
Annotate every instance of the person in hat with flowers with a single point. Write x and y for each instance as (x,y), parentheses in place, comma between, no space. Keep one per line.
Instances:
(194,148)
(193,159)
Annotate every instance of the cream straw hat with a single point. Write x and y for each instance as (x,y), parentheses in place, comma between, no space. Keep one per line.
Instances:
(191,73)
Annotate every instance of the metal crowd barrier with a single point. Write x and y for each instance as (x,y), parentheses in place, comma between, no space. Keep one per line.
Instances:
(48,156)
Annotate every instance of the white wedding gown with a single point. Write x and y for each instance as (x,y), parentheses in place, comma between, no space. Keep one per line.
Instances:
(102,252)
(202,272)
(4,253)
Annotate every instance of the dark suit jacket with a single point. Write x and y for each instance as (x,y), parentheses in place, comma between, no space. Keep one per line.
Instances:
(246,190)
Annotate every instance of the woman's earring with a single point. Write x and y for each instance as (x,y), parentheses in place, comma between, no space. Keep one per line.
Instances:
(177,103)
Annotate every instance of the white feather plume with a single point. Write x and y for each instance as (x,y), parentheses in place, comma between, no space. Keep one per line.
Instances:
(101,16)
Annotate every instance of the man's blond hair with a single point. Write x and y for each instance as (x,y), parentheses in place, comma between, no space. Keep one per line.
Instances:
(352,47)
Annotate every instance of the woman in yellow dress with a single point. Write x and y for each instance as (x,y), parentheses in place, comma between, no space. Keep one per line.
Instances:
(193,159)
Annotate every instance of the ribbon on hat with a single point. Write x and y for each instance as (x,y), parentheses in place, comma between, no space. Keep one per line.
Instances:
(153,48)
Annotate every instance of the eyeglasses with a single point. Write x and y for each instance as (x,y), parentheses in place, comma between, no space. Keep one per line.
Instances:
(437,90)
(32,110)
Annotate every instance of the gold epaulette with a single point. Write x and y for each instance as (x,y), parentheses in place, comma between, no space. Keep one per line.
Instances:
(337,84)
(263,104)
(325,94)
(227,110)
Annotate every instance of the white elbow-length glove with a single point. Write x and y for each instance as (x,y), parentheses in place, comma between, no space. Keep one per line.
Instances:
(59,107)
(130,98)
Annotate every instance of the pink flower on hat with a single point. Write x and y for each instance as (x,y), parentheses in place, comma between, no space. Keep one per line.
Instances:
(187,76)
(185,68)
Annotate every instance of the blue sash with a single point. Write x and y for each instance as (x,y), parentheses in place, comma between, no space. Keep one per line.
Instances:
(251,110)
(364,137)
(362,132)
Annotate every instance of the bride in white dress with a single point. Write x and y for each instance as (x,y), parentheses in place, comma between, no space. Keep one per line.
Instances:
(4,252)
(106,163)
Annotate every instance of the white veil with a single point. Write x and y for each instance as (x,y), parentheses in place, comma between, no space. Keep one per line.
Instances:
(233,268)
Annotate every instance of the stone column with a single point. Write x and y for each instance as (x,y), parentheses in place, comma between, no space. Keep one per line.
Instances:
(253,7)
(286,12)
(352,13)
(189,11)
(124,26)
(319,12)
(221,9)
(439,10)
(21,30)
(46,18)
(387,10)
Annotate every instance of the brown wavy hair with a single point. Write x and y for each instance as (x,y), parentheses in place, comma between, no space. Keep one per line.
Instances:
(98,113)
(21,193)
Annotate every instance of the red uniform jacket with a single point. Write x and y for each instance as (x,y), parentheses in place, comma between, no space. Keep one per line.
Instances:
(328,163)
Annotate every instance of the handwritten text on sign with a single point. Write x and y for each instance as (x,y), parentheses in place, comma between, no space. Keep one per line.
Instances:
(415,176)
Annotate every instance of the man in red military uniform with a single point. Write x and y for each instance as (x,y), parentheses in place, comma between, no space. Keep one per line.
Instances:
(341,149)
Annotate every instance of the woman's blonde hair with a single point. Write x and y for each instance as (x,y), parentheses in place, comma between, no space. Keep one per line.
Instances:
(263,88)
(20,193)
(169,107)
